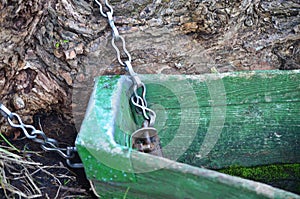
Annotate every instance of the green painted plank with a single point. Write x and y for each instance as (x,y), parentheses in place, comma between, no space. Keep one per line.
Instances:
(96,142)
(254,114)
(183,181)
(213,121)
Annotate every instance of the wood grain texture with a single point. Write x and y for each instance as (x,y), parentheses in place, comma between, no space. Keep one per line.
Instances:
(258,123)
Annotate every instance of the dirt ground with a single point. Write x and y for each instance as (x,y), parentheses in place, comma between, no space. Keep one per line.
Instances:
(54,178)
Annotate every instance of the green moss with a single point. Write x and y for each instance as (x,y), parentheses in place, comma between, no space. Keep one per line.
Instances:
(282,175)
(266,172)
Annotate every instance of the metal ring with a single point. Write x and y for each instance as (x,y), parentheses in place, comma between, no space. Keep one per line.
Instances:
(71,151)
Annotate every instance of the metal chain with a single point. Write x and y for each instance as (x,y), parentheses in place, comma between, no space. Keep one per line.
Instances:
(47,144)
(138,101)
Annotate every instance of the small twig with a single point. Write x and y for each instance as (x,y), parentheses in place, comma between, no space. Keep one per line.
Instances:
(73,190)
(32,183)
(74,196)
(93,189)
(13,166)
(50,174)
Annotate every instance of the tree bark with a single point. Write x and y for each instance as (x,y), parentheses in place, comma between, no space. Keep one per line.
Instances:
(50,50)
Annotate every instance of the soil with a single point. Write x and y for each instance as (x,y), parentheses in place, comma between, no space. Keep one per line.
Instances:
(74,182)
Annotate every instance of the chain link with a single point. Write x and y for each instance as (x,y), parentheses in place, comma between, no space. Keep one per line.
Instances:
(107,5)
(47,144)
(138,101)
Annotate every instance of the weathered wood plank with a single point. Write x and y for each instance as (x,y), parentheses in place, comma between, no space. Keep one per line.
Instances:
(213,121)
(257,113)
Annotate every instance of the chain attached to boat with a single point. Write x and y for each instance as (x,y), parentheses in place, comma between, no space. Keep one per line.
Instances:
(38,136)
(144,139)
(139,101)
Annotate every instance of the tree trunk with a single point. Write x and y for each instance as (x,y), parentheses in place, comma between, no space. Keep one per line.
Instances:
(51,50)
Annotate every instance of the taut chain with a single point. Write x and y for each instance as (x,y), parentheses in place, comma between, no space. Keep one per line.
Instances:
(145,139)
(139,101)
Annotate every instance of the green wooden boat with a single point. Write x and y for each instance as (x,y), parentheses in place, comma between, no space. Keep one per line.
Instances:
(210,126)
